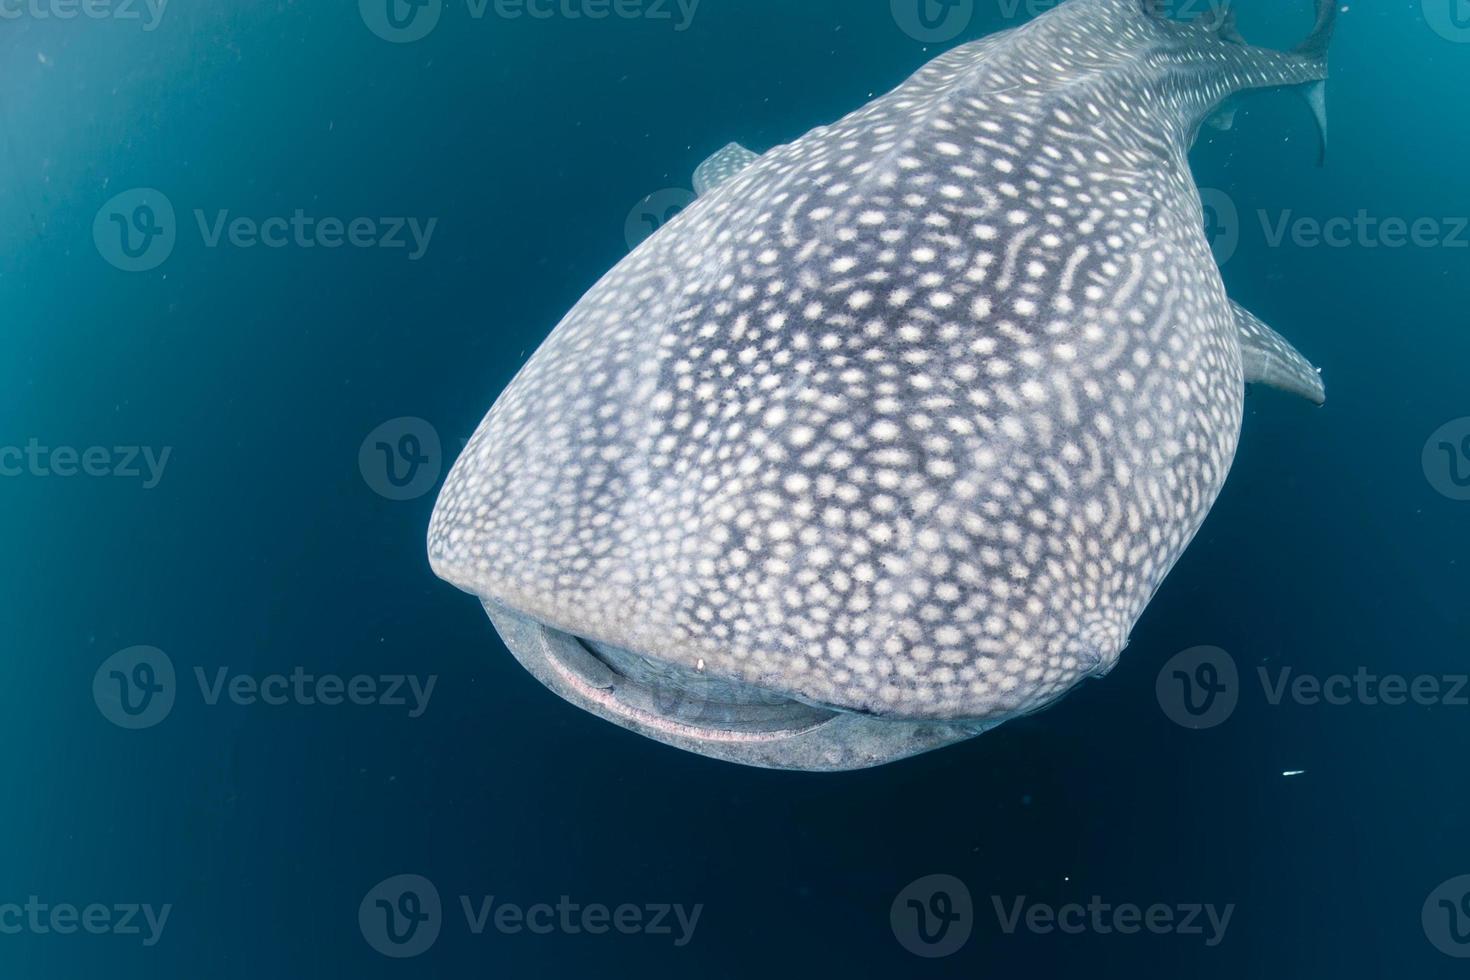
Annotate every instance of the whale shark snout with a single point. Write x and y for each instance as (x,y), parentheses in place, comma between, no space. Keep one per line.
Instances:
(695,708)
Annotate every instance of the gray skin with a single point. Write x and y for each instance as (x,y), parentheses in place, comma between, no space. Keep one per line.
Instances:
(893,434)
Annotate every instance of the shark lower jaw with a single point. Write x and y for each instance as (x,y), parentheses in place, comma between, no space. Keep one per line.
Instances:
(731,722)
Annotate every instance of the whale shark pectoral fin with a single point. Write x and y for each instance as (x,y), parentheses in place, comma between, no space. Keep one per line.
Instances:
(1271,360)
(724,165)
(1224,118)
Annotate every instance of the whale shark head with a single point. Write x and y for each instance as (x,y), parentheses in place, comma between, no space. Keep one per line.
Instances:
(892,435)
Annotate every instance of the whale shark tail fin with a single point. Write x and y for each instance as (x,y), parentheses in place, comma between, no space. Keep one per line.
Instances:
(1249,67)
(1315,48)
(1221,20)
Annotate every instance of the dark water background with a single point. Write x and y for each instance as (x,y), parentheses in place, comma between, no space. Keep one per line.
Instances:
(264,548)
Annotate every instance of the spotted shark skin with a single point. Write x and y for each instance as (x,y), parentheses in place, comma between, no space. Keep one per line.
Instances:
(901,424)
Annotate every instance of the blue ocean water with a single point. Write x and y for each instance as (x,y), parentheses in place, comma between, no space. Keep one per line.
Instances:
(221,405)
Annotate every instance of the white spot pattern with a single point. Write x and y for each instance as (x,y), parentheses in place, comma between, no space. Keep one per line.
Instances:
(911,416)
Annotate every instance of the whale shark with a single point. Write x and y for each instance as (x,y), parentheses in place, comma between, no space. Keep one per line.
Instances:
(890,436)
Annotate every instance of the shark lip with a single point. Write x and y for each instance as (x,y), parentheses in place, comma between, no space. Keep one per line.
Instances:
(697,702)
(672,703)
(710,716)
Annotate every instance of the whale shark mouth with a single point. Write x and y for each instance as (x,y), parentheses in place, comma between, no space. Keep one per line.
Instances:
(716,717)
(693,698)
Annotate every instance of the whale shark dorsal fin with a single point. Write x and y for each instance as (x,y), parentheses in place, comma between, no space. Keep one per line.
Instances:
(722,166)
(1271,360)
